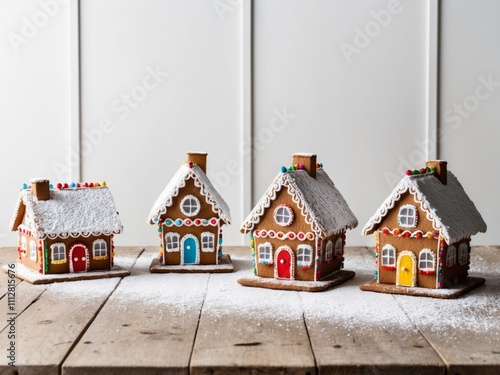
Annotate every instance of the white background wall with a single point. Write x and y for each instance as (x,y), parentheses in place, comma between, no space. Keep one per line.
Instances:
(366,114)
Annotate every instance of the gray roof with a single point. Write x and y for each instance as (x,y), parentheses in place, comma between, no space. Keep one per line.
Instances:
(448,207)
(319,200)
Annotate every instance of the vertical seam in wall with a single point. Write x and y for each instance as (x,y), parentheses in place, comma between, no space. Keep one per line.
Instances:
(75,92)
(247,106)
(432,130)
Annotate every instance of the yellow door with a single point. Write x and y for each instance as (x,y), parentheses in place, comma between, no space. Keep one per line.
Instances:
(405,271)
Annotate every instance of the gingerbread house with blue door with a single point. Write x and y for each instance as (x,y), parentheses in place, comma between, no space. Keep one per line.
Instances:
(423,234)
(298,230)
(65,229)
(189,215)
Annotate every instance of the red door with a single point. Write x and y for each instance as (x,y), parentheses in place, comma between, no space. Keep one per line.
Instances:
(284,263)
(79,258)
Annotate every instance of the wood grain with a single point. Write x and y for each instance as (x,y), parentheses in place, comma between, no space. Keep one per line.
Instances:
(47,330)
(148,325)
(467,335)
(242,331)
(358,332)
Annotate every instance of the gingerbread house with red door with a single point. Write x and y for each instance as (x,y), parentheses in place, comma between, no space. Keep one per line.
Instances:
(423,233)
(298,229)
(65,229)
(189,215)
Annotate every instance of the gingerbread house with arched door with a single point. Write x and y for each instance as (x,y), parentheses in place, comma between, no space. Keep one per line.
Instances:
(423,230)
(67,228)
(297,229)
(189,215)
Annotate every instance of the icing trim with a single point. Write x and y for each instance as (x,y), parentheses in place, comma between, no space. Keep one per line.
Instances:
(214,221)
(262,233)
(409,234)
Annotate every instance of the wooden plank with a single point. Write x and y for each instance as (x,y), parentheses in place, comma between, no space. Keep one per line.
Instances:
(8,255)
(358,332)
(147,325)
(465,332)
(245,330)
(52,323)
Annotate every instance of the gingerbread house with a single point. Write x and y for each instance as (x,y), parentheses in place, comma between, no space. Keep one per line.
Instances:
(297,229)
(189,215)
(423,230)
(65,229)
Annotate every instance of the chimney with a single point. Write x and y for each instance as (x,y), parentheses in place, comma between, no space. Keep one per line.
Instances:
(40,187)
(307,160)
(198,158)
(441,169)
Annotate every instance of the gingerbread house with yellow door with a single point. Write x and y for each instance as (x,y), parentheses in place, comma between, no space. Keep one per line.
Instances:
(423,230)
(189,215)
(297,229)
(66,229)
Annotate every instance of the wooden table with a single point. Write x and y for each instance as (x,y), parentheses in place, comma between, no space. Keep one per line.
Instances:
(208,324)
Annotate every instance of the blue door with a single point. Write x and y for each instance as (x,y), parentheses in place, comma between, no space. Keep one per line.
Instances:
(189,250)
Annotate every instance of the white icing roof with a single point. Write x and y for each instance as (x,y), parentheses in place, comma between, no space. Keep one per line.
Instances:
(318,198)
(448,207)
(82,211)
(178,181)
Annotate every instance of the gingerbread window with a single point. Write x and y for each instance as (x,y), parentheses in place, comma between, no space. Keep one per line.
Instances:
(190,205)
(24,247)
(207,241)
(329,251)
(33,251)
(463,251)
(407,217)
(304,255)
(389,256)
(451,256)
(172,241)
(99,248)
(338,247)
(58,252)
(265,251)
(426,260)
(283,215)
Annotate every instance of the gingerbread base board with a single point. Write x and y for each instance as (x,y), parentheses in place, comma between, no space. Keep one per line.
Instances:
(334,279)
(224,266)
(461,288)
(24,273)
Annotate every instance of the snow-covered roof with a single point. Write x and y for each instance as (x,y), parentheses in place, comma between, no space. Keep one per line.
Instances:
(68,212)
(178,181)
(448,207)
(320,202)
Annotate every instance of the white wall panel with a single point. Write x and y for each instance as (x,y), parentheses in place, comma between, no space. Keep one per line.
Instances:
(191,103)
(470,98)
(34,98)
(363,115)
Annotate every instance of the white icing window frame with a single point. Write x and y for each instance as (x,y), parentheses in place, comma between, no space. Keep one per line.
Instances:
(172,235)
(24,245)
(278,213)
(426,261)
(463,252)
(99,253)
(265,257)
(329,251)
(385,260)
(451,256)
(407,216)
(302,252)
(55,252)
(197,207)
(211,240)
(33,251)
(339,247)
